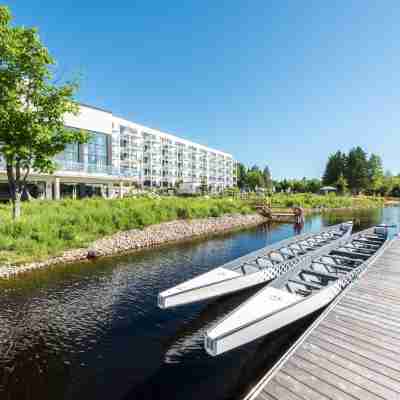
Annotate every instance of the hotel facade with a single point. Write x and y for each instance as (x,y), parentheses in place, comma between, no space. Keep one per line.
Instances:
(121,154)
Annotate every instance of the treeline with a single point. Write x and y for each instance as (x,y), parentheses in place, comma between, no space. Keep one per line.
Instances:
(256,178)
(253,178)
(356,172)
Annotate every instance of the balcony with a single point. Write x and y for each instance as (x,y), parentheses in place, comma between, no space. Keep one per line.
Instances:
(73,166)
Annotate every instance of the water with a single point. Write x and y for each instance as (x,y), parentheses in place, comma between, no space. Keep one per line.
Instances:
(93,331)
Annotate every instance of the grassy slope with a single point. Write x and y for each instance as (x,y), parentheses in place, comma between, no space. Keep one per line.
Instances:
(47,228)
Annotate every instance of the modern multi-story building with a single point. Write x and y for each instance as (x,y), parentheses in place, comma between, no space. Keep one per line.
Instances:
(121,154)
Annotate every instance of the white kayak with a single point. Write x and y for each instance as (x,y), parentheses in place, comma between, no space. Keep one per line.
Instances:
(253,269)
(312,284)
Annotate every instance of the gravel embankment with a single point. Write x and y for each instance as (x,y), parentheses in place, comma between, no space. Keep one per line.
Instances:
(135,239)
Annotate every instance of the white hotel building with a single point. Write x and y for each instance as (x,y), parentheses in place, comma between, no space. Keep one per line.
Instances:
(121,154)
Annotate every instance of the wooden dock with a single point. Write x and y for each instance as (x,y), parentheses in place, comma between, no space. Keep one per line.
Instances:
(352,351)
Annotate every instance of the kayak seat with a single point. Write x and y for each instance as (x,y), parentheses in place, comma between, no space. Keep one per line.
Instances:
(312,285)
(303,292)
(342,259)
(329,266)
(325,275)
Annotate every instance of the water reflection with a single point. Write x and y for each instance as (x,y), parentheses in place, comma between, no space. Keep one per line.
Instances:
(93,331)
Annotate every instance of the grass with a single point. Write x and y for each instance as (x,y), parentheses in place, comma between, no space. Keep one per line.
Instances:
(308,200)
(48,228)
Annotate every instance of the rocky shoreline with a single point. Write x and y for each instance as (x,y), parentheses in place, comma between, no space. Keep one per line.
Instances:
(135,239)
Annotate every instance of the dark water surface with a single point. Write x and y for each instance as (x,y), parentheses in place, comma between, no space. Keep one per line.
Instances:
(93,331)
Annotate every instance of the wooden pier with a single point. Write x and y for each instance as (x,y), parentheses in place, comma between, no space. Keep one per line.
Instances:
(274,214)
(352,351)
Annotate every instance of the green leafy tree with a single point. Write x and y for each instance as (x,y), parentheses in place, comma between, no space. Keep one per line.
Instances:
(375,173)
(313,185)
(357,170)
(32,108)
(335,166)
(285,185)
(395,187)
(299,185)
(255,179)
(241,171)
(342,185)
(267,177)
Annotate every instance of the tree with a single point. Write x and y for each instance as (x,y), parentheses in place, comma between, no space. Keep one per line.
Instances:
(341,184)
(299,185)
(335,166)
(267,177)
(285,185)
(241,175)
(357,170)
(375,173)
(255,179)
(313,185)
(32,108)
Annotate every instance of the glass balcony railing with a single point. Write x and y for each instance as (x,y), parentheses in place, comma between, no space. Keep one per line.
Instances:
(73,166)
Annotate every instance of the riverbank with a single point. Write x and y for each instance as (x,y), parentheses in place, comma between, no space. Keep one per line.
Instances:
(48,228)
(138,239)
(315,202)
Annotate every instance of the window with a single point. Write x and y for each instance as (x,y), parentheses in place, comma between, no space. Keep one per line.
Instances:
(97,149)
(70,153)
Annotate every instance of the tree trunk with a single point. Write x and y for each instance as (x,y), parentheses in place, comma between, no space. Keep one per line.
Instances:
(15,187)
(16,206)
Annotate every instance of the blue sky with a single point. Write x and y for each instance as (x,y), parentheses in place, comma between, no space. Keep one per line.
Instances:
(282,83)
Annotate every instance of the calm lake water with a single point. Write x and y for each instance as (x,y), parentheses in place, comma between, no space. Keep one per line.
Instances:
(93,331)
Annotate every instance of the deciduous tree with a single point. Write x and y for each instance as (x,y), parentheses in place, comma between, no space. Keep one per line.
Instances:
(32,107)
(357,170)
(375,173)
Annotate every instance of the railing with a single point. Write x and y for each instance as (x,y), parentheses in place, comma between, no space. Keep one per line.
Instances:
(73,166)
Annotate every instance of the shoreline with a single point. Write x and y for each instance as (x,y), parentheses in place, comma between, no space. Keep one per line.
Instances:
(136,240)
(154,236)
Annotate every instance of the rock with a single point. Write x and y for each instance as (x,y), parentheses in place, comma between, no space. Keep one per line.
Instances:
(92,254)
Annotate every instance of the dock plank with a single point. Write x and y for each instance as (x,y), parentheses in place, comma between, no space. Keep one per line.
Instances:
(314,380)
(348,371)
(353,351)
(389,376)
